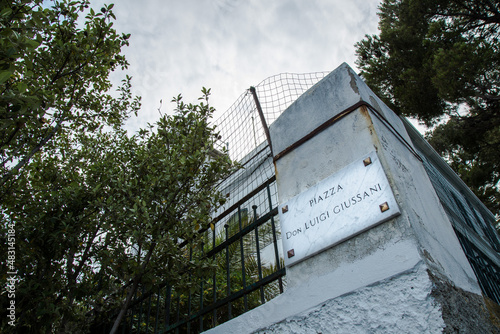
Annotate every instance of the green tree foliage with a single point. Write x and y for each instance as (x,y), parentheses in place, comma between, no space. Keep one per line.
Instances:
(439,61)
(95,212)
(54,76)
(99,214)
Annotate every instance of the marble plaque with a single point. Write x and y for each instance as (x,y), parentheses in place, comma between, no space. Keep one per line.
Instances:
(344,204)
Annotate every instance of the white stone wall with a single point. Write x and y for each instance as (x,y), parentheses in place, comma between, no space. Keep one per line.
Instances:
(401,304)
(361,268)
(381,280)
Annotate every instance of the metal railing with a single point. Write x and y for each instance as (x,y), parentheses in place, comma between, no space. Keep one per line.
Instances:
(487,272)
(243,243)
(245,248)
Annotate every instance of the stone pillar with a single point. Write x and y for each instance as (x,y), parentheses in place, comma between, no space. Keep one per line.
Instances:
(357,124)
(368,246)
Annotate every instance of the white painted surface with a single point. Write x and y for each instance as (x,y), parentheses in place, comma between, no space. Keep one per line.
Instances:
(393,260)
(401,304)
(360,132)
(422,210)
(375,282)
(341,206)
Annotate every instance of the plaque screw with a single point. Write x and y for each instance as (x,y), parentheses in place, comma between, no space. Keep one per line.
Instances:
(284,209)
(291,253)
(384,207)
(367,161)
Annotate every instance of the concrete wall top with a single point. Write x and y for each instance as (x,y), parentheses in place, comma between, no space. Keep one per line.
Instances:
(338,91)
(322,132)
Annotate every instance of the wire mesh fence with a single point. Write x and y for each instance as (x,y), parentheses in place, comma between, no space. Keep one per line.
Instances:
(240,128)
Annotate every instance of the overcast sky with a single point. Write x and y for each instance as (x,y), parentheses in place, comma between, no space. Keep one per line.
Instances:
(179,46)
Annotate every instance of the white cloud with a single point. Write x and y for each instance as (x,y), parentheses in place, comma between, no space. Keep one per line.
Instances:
(229,45)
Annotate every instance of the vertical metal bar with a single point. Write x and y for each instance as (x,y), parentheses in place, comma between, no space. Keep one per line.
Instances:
(275,241)
(488,277)
(125,327)
(131,325)
(262,118)
(201,290)
(131,321)
(228,278)
(157,309)
(190,295)
(259,264)
(149,313)
(168,300)
(243,272)
(140,313)
(178,313)
(214,282)
(493,274)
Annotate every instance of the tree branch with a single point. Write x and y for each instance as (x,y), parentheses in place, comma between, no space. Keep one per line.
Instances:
(30,155)
(132,291)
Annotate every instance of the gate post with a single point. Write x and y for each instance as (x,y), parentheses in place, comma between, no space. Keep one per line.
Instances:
(367,244)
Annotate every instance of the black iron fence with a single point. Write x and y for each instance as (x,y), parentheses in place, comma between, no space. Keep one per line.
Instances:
(249,272)
(472,221)
(486,270)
